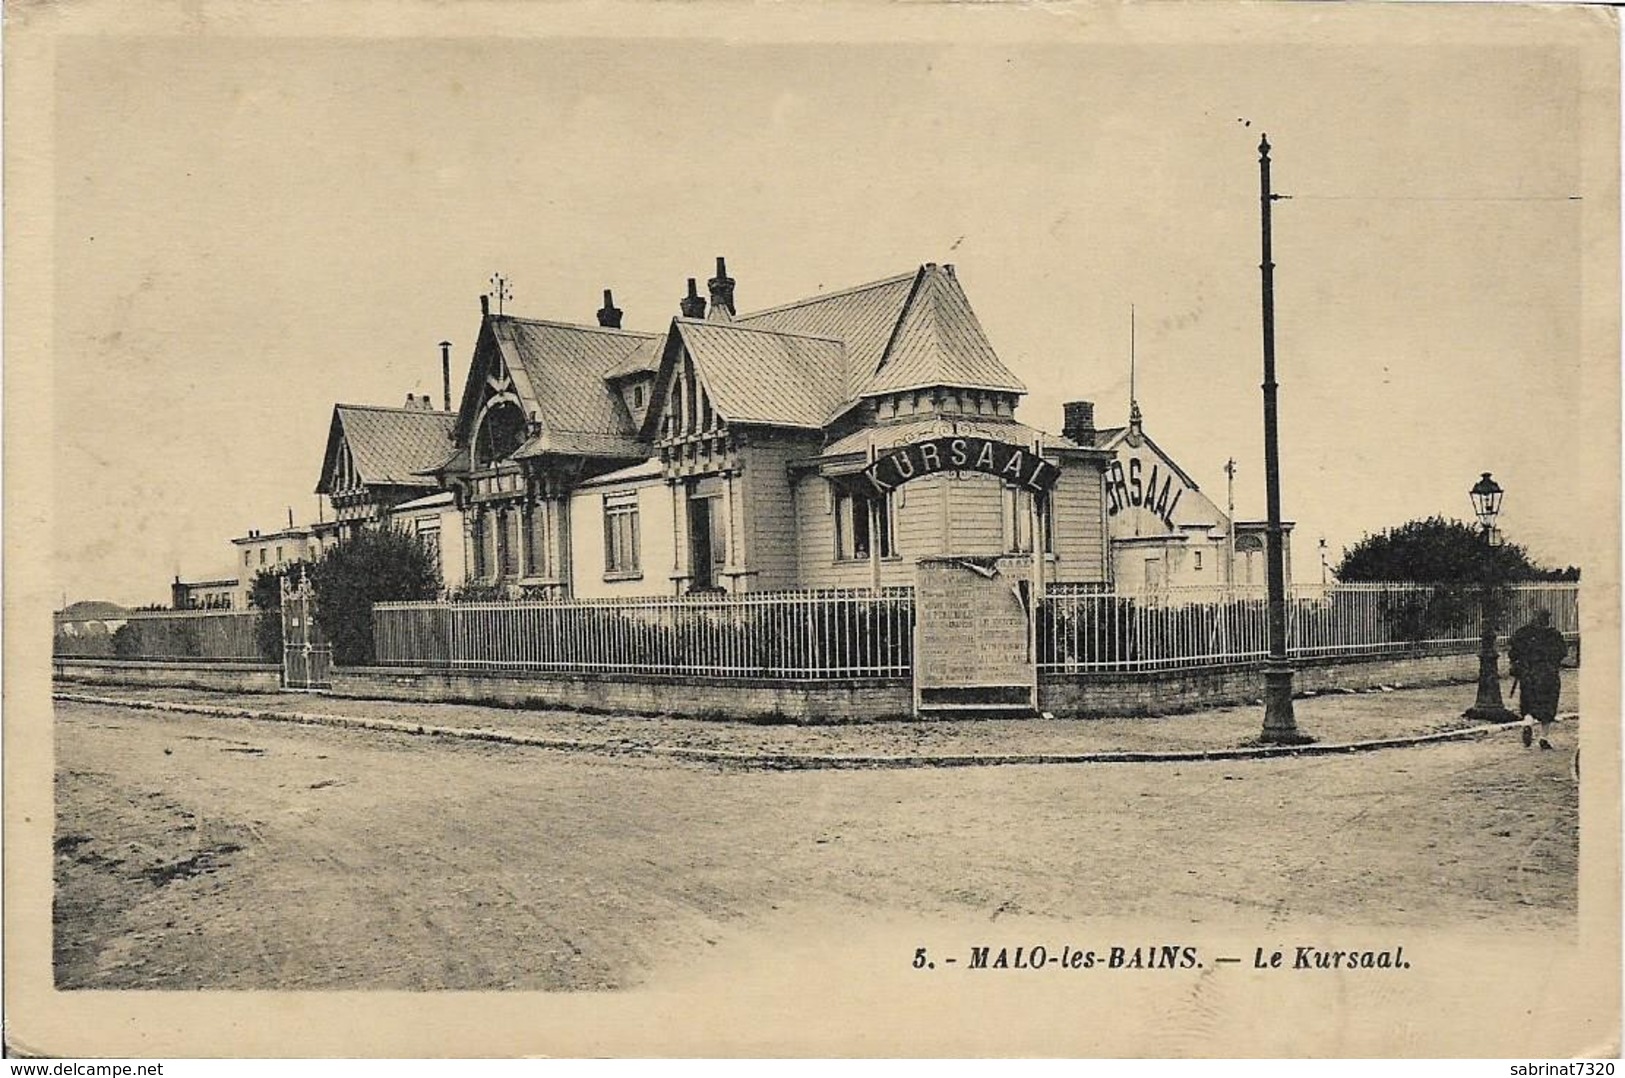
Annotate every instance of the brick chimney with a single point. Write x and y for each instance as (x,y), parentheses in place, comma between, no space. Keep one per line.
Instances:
(609,315)
(485,306)
(693,304)
(1078,422)
(722,293)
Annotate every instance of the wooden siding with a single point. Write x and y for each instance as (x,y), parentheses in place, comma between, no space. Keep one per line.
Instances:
(976,515)
(766,511)
(1080,548)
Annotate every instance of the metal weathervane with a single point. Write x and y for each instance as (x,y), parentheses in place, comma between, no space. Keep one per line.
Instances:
(500,290)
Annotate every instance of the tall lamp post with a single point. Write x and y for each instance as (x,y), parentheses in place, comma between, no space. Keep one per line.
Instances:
(1280,728)
(1486,495)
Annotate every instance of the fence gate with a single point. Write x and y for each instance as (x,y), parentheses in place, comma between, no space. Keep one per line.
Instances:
(307,658)
(973,637)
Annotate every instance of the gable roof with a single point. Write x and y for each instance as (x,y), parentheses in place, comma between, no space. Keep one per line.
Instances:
(762,376)
(1112,437)
(939,342)
(559,371)
(862,318)
(388,446)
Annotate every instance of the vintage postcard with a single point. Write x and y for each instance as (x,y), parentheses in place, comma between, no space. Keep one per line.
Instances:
(886,530)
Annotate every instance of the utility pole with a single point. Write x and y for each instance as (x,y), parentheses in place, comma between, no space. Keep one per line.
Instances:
(1230,526)
(1279,726)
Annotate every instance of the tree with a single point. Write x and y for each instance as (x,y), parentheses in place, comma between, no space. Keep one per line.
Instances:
(374,566)
(1437,551)
(265,595)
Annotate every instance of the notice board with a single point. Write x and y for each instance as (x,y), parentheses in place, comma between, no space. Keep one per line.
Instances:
(972,636)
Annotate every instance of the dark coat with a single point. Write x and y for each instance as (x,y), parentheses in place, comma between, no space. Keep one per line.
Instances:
(1536,652)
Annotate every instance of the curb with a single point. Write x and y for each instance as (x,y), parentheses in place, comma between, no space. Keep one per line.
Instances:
(785,760)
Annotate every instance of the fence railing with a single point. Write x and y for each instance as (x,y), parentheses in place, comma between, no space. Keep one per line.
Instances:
(799,635)
(1183,627)
(160,634)
(836,634)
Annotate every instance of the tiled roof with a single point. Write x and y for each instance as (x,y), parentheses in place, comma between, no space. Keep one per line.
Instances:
(389,446)
(644,359)
(890,435)
(581,443)
(940,343)
(565,366)
(760,376)
(862,318)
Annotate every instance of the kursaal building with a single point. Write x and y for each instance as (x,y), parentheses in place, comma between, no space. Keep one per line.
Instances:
(826,443)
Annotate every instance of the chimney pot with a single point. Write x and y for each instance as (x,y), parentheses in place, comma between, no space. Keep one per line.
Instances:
(722,293)
(693,304)
(1078,422)
(609,315)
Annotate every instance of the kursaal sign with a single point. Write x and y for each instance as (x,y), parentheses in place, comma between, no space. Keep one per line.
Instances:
(1020,466)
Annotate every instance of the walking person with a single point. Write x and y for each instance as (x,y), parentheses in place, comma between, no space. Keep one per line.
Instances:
(1536,651)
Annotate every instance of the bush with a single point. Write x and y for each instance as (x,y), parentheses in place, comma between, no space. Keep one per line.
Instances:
(265,595)
(376,565)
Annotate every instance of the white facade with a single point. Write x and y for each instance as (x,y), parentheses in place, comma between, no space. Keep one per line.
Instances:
(438,523)
(623,535)
(1165,533)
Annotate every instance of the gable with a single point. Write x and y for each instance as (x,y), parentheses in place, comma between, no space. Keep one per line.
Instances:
(370,447)
(1148,494)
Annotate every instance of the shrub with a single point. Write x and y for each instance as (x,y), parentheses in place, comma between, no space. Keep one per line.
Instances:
(376,565)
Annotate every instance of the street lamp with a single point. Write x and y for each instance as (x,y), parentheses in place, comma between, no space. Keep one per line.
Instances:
(1486,496)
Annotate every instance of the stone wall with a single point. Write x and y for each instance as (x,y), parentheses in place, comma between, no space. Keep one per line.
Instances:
(220,676)
(753,699)
(1170,692)
(776,700)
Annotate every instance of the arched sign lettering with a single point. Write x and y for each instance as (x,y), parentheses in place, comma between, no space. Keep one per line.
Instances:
(1158,494)
(1017,465)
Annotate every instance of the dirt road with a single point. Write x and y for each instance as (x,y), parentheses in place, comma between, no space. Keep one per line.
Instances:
(202,852)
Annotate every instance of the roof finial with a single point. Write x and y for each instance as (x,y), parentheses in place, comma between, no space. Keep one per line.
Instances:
(1133,401)
(500,290)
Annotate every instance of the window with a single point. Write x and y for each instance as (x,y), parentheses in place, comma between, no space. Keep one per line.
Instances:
(262,555)
(1018,521)
(854,520)
(537,562)
(1198,564)
(429,536)
(482,564)
(507,536)
(621,535)
(637,395)
(248,557)
(279,555)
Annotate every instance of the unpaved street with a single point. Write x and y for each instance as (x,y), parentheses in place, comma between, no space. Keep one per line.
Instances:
(204,852)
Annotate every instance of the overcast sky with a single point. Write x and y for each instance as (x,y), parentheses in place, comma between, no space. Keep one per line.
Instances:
(250,230)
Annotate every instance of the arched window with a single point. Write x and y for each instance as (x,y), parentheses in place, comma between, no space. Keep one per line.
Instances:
(501,432)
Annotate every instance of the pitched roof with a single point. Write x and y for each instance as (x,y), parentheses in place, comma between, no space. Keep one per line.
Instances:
(389,446)
(760,376)
(862,318)
(1112,437)
(939,342)
(645,359)
(564,366)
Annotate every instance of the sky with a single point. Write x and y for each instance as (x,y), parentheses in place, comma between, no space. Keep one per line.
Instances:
(248,230)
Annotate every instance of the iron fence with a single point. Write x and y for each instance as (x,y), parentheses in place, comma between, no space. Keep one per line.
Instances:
(160,634)
(1184,627)
(800,635)
(853,633)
